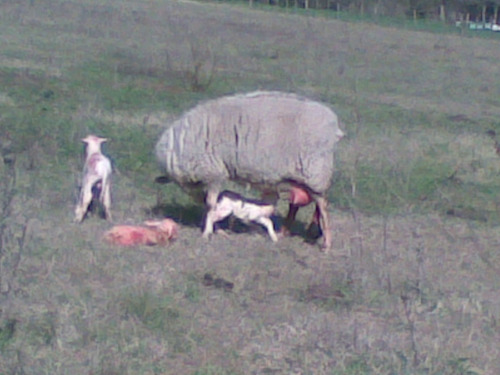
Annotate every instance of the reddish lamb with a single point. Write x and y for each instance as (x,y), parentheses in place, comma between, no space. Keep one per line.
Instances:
(155,232)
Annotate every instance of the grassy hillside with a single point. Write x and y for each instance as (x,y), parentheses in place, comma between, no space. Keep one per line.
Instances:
(411,286)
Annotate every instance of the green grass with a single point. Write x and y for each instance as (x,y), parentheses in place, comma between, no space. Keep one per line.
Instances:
(213,370)
(7,333)
(159,314)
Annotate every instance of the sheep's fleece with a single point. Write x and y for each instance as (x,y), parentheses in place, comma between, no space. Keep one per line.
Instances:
(263,138)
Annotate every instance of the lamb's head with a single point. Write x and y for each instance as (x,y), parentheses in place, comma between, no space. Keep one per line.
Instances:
(166,226)
(93,143)
(268,210)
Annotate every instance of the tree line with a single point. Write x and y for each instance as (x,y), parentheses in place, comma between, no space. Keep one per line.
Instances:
(445,10)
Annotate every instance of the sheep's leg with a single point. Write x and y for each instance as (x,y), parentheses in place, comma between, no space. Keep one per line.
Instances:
(315,221)
(324,220)
(268,223)
(211,198)
(209,224)
(290,218)
(106,198)
(210,220)
(84,202)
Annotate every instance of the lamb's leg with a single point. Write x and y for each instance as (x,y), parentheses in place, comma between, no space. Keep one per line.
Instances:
(324,220)
(106,198)
(84,201)
(214,216)
(268,223)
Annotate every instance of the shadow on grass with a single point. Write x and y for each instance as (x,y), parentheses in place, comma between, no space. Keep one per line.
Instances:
(194,216)
(329,295)
(188,215)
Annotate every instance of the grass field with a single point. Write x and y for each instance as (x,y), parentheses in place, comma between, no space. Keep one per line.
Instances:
(412,283)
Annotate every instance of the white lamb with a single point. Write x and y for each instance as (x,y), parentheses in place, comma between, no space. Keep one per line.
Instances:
(96,179)
(230,203)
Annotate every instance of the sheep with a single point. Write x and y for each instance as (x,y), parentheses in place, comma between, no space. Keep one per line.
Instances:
(155,232)
(261,138)
(96,182)
(229,202)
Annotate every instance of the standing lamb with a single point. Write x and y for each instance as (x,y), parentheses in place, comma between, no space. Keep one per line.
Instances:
(96,179)
(262,138)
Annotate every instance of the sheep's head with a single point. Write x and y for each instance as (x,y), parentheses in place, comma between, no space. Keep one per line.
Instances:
(339,133)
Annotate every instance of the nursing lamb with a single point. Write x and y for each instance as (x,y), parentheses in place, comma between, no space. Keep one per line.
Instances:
(231,203)
(266,139)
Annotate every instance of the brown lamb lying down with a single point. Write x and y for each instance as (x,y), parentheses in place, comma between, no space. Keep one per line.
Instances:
(155,232)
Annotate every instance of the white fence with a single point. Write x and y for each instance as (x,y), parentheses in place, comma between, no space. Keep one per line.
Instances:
(478,25)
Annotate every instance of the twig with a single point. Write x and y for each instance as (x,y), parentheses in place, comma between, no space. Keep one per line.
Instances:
(387,275)
(7,193)
(411,324)
(357,220)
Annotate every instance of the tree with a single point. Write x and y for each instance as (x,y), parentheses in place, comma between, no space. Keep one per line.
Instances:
(424,8)
(496,6)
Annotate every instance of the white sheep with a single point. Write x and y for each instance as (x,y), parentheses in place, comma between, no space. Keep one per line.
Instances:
(96,183)
(262,138)
(231,203)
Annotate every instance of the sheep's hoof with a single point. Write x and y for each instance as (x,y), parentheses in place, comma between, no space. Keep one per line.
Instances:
(325,248)
(280,235)
(313,231)
(284,232)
